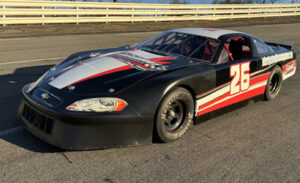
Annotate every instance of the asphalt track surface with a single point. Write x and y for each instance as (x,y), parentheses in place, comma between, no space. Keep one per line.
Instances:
(259,142)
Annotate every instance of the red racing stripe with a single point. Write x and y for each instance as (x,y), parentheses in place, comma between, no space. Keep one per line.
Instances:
(235,99)
(253,81)
(259,78)
(289,64)
(290,71)
(131,61)
(215,100)
(159,59)
(123,68)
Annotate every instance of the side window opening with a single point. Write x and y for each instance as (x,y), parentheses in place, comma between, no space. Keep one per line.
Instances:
(237,48)
(188,46)
(207,51)
(224,56)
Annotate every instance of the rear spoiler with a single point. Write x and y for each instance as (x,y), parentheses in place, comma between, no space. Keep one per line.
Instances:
(285,44)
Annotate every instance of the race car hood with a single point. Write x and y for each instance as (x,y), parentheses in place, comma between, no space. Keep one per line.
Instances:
(108,72)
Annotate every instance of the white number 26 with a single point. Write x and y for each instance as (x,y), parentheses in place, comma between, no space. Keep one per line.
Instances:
(240,74)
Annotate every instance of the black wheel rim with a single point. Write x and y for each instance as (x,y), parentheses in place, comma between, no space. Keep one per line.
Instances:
(174,116)
(274,84)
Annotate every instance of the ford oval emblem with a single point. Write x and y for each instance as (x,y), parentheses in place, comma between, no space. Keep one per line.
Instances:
(45,95)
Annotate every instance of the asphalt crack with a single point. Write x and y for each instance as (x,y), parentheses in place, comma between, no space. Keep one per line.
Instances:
(67,158)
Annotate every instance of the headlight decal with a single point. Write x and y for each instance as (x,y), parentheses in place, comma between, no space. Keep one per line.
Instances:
(98,105)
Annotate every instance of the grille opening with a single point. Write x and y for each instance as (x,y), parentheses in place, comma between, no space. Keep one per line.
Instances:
(37,119)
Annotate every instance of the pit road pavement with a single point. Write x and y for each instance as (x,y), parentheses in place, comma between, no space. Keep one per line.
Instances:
(256,143)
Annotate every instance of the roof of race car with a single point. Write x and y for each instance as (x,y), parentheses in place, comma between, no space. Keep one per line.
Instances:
(207,32)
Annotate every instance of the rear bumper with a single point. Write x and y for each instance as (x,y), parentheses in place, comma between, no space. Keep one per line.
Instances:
(85,132)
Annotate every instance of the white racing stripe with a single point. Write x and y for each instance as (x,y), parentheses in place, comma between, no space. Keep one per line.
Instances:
(264,83)
(102,64)
(86,70)
(212,96)
(10,131)
(34,60)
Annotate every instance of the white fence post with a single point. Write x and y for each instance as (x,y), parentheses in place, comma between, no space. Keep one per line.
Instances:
(249,9)
(77,15)
(4,16)
(155,16)
(106,16)
(43,16)
(214,12)
(132,15)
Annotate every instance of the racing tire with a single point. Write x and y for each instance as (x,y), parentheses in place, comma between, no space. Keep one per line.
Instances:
(174,115)
(274,84)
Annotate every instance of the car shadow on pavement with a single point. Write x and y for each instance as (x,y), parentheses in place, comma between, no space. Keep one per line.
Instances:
(11,129)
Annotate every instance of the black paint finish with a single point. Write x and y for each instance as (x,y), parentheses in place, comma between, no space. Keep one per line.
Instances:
(142,90)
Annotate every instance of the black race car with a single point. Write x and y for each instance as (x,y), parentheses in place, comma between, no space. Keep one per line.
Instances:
(124,96)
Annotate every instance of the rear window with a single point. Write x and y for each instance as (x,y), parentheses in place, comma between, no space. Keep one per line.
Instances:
(261,48)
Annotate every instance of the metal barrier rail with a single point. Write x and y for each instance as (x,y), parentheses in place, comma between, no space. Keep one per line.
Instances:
(45,12)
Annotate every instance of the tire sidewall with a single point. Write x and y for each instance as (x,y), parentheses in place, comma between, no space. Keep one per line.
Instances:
(186,98)
(271,96)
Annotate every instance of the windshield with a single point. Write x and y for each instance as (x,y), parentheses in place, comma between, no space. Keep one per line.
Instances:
(182,44)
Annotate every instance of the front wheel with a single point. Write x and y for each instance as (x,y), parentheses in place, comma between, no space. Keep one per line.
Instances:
(274,84)
(174,115)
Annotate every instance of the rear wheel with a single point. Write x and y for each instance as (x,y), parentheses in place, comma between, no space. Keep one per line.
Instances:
(274,84)
(174,115)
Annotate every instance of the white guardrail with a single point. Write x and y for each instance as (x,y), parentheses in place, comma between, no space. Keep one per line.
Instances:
(46,12)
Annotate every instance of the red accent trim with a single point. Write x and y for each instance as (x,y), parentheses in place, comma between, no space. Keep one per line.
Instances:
(127,67)
(290,63)
(253,81)
(226,47)
(134,62)
(260,78)
(236,37)
(209,29)
(159,59)
(284,68)
(214,100)
(290,71)
(235,99)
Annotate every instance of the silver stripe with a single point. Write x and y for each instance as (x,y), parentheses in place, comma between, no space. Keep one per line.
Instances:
(86,70)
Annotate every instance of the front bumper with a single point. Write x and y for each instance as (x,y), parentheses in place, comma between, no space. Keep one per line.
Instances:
(85,132)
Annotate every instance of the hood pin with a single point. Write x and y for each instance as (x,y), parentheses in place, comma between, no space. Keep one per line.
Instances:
(71,87)
(111,90)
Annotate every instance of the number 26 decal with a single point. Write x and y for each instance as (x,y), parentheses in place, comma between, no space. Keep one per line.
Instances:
(240,74)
